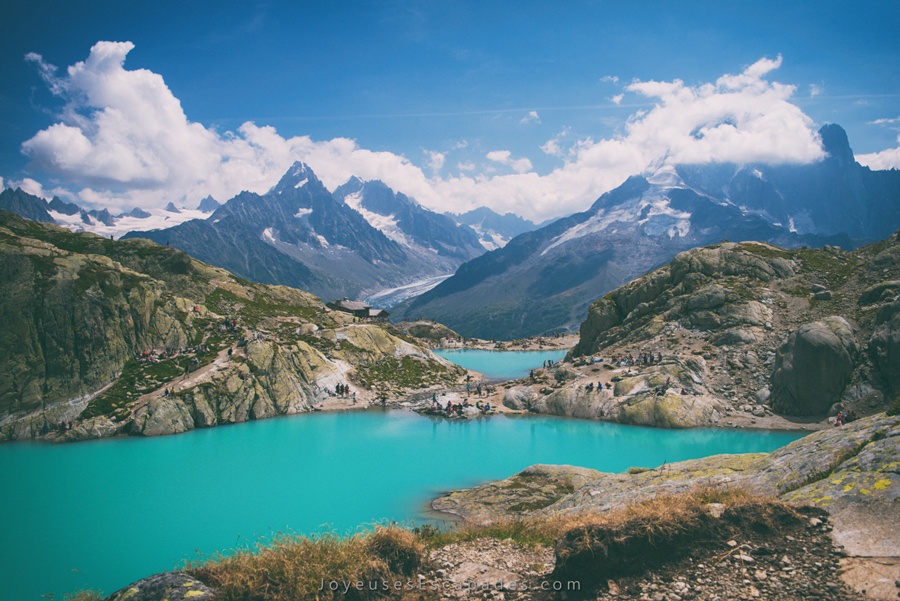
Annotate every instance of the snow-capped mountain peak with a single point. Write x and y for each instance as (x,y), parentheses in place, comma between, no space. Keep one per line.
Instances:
(298,176)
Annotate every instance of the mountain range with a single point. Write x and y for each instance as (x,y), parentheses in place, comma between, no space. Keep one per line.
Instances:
(362,241)
(544,280)
(367,241)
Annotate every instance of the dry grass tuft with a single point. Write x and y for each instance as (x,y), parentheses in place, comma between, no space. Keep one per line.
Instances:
(658,530)
(400,549)
(293,568)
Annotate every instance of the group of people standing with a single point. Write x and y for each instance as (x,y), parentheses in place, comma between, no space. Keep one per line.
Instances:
(61,427)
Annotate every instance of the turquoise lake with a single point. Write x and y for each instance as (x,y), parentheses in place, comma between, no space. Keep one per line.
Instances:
(102,514)
(500,365)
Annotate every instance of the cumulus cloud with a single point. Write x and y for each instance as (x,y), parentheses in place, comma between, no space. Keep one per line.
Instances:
(815,90)
(123,139)
(610,79)
(504,157)
(886,159)
(617,99)
(435,160)
(739,118)
(31,186)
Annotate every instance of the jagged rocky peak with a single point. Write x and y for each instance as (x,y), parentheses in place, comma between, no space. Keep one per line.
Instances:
(104,216)
(171,208)
(836,143)
(60,206)
(297,176)
(351,186)
(208,204)
(138,213)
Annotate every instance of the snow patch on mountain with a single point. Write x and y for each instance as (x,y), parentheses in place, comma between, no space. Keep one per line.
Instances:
(302,213)
(652,211)
(158,219)
(268,235)
(666,177)
(387,224)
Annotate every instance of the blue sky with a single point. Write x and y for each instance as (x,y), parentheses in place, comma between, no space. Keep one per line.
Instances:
(536,107)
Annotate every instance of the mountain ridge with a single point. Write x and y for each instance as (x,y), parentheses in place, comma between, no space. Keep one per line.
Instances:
(543,281)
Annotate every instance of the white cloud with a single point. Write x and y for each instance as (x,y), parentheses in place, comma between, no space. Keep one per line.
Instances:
(504,157)
(552,147)
(740,118)
(617,99)
(124,140)
(531,117)
(815,90)
(31,186)
(2,186)
(435,160)
(610,79)
(886,159)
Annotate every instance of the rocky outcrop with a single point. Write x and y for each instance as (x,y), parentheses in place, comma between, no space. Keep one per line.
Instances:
(884,346)
(852,472)
(664,396)
(813,367)
(171,586)
(127,337)
(854,465)
(794,323)
(687,290)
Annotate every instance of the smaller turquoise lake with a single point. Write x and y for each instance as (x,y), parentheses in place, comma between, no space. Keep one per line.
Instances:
(500,365)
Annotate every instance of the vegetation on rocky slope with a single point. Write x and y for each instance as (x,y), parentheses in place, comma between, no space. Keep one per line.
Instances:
(131,337)
(734,333)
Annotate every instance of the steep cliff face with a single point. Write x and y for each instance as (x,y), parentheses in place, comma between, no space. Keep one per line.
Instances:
(130,337)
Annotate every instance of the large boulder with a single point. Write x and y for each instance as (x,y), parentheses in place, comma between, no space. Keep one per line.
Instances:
(884,347)
(520,398)
(813,367)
